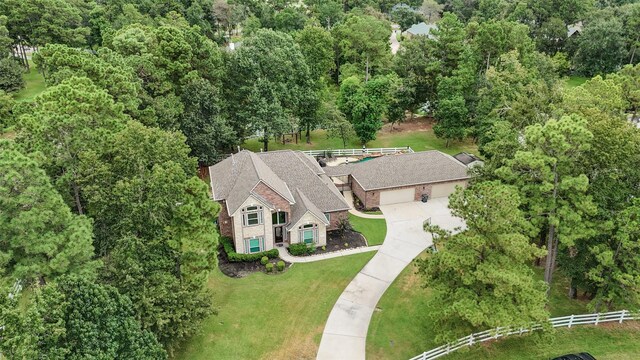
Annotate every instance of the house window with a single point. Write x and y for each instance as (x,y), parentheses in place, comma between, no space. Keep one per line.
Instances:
(328,216)
(252,215)
(309,233)
(254,245)
(279,218)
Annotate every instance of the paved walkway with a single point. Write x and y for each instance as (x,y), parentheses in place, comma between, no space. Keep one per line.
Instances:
(284,254)
(345,332)
(349,197)
(395,45)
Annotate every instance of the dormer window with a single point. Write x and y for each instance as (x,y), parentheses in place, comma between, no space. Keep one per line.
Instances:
(252,215)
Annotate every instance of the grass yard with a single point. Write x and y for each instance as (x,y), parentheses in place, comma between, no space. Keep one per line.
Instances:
(574,81)
(604,342)
(400,331)
(34,85)
(374,230)
(272,316)
(417,134)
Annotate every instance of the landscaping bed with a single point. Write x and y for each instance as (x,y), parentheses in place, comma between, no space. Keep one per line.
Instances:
(336,241)
(241,269)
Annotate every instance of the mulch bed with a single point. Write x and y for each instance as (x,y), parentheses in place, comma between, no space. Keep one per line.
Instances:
(242,269)
(336,241)
(358,205)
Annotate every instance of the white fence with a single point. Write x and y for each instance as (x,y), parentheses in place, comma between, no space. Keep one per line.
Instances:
(358,152)
(493,334)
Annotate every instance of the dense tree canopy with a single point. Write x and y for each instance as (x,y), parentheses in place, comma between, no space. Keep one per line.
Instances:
(481,276)
(271,85)
(75,318)
(40,238)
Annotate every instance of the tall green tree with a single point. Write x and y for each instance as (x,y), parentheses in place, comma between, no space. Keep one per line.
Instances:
(40,22)
(316,45)
(364,105)
(40,239)
(617,270)
(601,46)
(268,83)
(416,65)
(452,116)
(552,186)
(204,123)
(11,75)
(405,17)
(105,69)
(363,40)
(69,123)
(482,277)
(154,226)
(75,318)
(628,78)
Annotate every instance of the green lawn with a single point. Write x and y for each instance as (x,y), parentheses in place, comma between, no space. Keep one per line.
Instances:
(399,329)
(374,230)
(608,342)
(417,140)
(272,316)
(34,85)
(574,81)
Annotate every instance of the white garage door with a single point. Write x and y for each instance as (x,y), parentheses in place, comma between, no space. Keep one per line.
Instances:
(444,190)
(397,196)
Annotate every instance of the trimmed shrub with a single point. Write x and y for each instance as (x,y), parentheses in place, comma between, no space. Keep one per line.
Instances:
(280,265)
(269,267)
(264,260)
(233,256)
(324,248)
(301,249)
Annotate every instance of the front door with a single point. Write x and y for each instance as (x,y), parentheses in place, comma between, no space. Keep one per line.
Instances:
(278,234)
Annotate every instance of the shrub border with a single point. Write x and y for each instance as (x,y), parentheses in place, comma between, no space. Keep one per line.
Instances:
(233,256)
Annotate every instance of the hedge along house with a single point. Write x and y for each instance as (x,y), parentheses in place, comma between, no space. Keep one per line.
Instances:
(275,198)
(401,178)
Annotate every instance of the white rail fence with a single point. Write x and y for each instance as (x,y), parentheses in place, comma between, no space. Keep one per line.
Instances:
(493,334)
(358,152)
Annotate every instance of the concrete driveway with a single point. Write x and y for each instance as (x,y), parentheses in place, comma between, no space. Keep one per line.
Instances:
(345,332)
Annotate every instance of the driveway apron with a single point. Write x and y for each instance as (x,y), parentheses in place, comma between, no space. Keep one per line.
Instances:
(345,332)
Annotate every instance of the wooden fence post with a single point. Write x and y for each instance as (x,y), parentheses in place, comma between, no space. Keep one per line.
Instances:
(622,316)
(571,321)
(597,318)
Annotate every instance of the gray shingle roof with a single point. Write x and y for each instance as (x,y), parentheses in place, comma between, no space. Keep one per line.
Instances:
(234,178)
(302,174)
(406,169)
(304,205)
(286,172)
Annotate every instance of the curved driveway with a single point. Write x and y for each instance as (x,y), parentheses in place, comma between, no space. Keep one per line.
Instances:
(345,332)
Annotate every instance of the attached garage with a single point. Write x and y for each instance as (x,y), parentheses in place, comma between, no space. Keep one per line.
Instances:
(446,189)
(388,197)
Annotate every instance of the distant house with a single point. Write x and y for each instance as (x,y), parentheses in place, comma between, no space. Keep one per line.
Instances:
(402,6)
(574,29)
(420,29)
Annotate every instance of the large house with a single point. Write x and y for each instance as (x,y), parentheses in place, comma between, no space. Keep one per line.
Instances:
(284,197)
(274,198)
